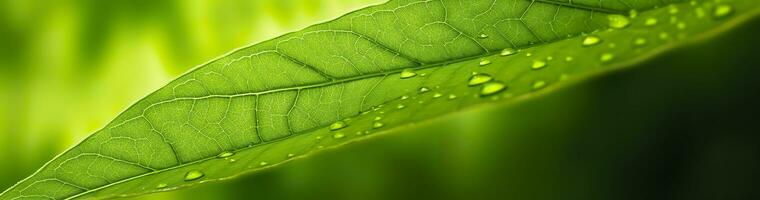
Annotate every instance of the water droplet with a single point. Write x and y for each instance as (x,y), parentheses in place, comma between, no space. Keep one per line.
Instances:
(437,95)
(338,125)
(529,54)
(359,133)
(664,35)
(262,163)
(162,185)
(452,96)
(483,36)
(673,9)
(640,41)
(225,154)
(232,160)
(378,118)
(681,25)
(569,58)
(722,11)
(633,13)
(538,64)
(538,85)
(378,125)
(492,88)
(651,22)
(484,62)
(606,57)
(290,155)
(591,41)
(404,97)
(508,52)
(193,175)
(339,135)
(424,90)
(408,73)
(400,106)
(550,58)
(479,79)
(618,21)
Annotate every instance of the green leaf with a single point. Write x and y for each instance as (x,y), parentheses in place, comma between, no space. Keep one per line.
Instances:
(369,72)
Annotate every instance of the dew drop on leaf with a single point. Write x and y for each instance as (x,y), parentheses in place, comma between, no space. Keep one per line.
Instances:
(479,79)
(651,21)
(484,62)
(722,11)
(538,64)
(262,163)
(606,57)
(225,154)
(591,41)
(408,73)
(569,58)
(378,118)
(400,106)
(452,96)
(424,90)
(673,9)
(538,85)
(404,97)
(640,41)
(162,185)
(378,125)
(483,36)
(508,52)
(337,125)
(339,135)
(193,175)
(437,95)
(492,88)
(232,160)
(290,155)
(618,21)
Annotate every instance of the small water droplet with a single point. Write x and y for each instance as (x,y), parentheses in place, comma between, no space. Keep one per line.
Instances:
(591,41)
(664,35)
(484,62)
(359,133)
(569,58)
(262,163)
(549,58)
(290,155)
(529,54)
(538,64)
(437,95)
(673,9)
(651,21)
(193,175)
(162,185)
(618,21)
(378,118)
(606,57)
(640,41)
(538,85)
(232,160)
(492,88)
(404,97)
(681,25)
(225,154)
(377,125)
(338,135)
(400,106)
(338,125)
(424,90)
(479,79)
(633,13)
(722,11)
(508,52)
(408,73)
(483,36)
(452,96)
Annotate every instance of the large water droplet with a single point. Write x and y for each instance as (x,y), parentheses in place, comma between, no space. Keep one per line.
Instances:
(618,21)
(339,135)
(722,11)
(591,41)
(492,88)
(538,64)
(225,154)
(338,125)
(484,62)
(378,125)
(479,79)
(408,73)
(193,175)
(651,21)
(508,52)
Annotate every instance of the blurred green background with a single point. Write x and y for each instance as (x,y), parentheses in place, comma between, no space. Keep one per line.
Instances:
(681,126)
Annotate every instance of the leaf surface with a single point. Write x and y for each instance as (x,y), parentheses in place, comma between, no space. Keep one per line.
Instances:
(368,72)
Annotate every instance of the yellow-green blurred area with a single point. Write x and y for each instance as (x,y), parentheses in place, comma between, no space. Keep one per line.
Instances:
(681,126)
